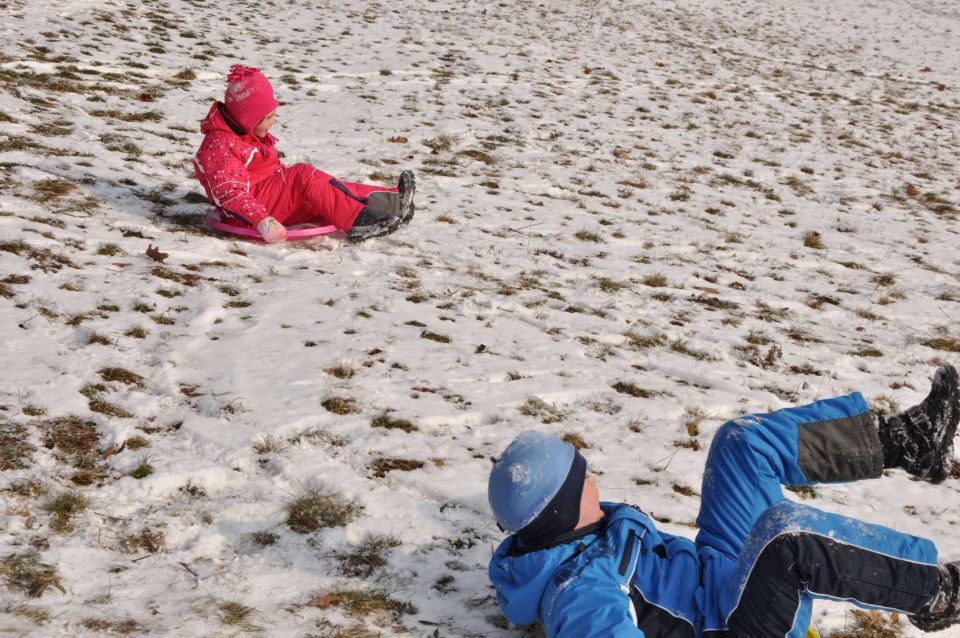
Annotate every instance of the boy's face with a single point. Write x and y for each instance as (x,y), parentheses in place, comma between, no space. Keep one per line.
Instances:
(590,511)
(261,129)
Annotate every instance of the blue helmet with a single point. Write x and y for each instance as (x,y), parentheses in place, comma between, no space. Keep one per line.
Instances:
(530,478)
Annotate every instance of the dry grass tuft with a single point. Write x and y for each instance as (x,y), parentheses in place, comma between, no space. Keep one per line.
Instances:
(234,613)
(381,466)
(627,387)
(122,375)
(385,421)
(870,624)
(48,189)
(122,627)
(540,409)
(63,508)
(944,344)
(340,372)
(75,441)
(26,573)
(145,541)
(268,444)
(372,602)
(362,560)
(103,406)
(576,440)
(15,448)
(341,405)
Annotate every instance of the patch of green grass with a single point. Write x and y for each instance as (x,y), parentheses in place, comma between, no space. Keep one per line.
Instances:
(318,508)
(143,470)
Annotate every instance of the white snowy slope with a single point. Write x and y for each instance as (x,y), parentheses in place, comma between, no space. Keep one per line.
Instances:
(635,220)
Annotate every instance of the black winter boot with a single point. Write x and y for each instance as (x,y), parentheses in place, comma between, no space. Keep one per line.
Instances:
(368,226)
(920,439)
(943,610)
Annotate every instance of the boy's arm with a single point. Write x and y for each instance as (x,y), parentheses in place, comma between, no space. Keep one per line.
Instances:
(593,609)
(228,180)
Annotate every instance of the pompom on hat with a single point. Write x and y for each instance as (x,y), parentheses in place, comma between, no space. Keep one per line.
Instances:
(249,96)
(535,487)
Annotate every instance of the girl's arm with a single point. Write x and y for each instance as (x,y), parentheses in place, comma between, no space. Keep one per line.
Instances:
(224,173)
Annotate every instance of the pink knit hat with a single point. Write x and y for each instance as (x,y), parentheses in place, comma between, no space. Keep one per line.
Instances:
(249,97)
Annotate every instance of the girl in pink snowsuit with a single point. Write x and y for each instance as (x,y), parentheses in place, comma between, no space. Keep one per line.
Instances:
(239,168)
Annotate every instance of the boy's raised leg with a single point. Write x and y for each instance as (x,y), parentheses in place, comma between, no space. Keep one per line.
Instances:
(752,457)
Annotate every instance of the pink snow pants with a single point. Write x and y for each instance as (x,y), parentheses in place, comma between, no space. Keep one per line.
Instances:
(302,193)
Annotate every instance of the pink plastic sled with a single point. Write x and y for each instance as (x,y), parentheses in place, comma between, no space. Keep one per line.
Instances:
(295,232)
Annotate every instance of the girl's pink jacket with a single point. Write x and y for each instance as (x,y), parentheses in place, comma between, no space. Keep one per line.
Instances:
(229,165)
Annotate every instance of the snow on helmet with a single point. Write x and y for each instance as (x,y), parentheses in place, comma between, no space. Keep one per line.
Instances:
(538,477)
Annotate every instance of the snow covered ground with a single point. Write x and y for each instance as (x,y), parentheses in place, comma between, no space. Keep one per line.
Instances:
(635,220)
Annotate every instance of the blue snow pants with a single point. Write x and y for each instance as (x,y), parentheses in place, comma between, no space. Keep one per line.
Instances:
(765,559)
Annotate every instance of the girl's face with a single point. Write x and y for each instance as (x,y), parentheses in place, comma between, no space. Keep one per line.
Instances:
(261,129)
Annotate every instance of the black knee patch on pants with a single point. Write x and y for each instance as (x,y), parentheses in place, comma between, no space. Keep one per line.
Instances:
(840,449)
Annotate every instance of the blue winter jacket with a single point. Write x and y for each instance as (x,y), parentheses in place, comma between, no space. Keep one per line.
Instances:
(627,580)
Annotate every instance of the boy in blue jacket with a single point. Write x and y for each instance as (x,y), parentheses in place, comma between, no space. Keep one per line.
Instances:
(591,569)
